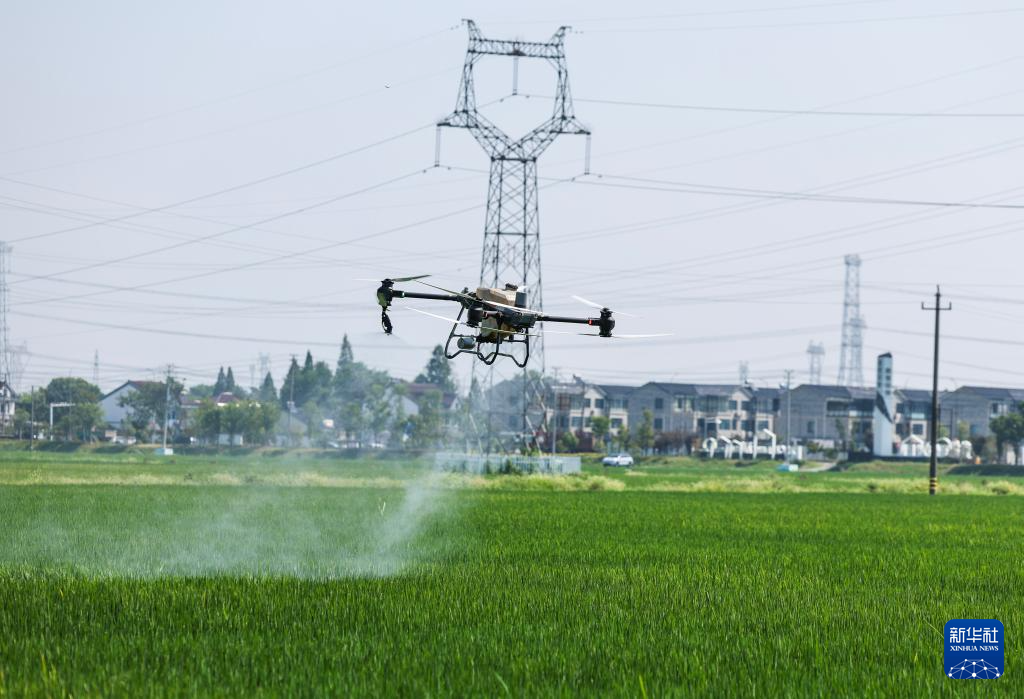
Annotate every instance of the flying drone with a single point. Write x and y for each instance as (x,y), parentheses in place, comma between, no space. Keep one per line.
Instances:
(492,322)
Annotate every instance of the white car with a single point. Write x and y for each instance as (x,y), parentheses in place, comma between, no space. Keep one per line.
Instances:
(617,460)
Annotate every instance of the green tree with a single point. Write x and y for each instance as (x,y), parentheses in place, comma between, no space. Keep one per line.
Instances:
(314,382)
(233,419)
(399,427)
(438,371)
(599,427)
(645,432)
(79,420)
(267,394)
(568,442)
(200,391)
(287,392)
(625,439)
(427,426)
(27,405)
(148,404)
(1008,429)
(72,390)
(229,381)
(352,419)
(220,385)
(207,420)
(308,383)
(379,406)
(268,416)
(345,357)
(354,400)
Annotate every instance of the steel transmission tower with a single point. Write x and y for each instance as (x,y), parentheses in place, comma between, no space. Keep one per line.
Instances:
(851,371)
(6,358)
(511,250)
(816,357)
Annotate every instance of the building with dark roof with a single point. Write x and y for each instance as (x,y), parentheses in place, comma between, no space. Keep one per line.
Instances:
(976,406)
(697,411)
(828,415)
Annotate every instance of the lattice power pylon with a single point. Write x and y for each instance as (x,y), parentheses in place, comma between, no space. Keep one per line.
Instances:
(6,359)
(851,370)
(511,250)
(816,357)
(7,363)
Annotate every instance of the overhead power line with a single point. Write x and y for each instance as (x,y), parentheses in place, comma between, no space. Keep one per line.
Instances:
(258,263)
(209,336)
(228,190)
(800,112)
(702,13)
(224,98)
(813,23)
(656,185)
(219,234)
(299,253)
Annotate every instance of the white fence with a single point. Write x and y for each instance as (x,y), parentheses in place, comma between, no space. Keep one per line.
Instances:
(506,463)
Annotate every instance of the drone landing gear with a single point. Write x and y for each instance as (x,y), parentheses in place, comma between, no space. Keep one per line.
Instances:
(474,344)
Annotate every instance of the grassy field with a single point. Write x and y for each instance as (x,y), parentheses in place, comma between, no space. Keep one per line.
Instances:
(132,575)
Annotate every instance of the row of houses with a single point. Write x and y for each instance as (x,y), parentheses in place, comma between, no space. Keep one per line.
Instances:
(825,414)
(690,413)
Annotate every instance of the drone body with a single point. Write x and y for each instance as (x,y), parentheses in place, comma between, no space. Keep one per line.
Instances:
(491,323)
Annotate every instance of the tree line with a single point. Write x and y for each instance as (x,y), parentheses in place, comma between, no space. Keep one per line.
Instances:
(364,405)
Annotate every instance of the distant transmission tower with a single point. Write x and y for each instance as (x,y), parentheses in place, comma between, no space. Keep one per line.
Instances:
(511,250)
(851,372)
(816,357)
(744,373)
(96,368)
(5,341)
(264,364)
(7,397)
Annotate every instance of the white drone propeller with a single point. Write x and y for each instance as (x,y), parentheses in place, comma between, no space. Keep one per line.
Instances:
(395,279)
(602,307)
(615,336)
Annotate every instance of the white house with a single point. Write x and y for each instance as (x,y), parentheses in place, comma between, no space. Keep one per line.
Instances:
(114,414)
(7,402)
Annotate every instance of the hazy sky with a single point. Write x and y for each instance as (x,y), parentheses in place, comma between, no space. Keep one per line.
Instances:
(288,149)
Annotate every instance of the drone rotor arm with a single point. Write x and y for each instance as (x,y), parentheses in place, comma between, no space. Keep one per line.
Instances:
(604,323)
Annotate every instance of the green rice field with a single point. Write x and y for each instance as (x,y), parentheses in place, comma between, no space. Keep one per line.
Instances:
(128,575)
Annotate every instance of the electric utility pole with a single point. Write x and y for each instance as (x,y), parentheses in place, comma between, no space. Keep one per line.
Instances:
(789,414)
(933,477)
(167,407)
(291,396)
